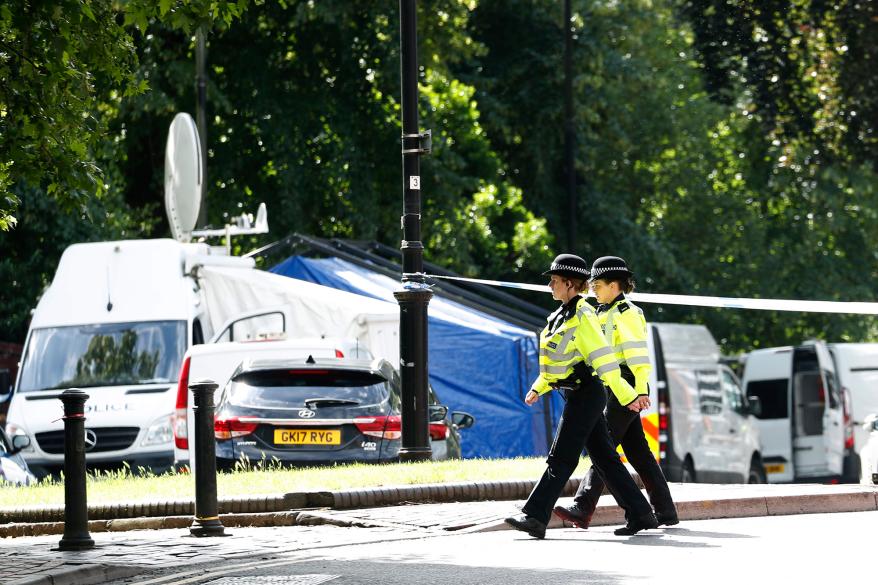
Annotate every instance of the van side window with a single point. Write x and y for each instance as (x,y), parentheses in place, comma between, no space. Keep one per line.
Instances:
(772,395)
(5,381)
(834,399)
(710,395)
(734,394)
(197,333)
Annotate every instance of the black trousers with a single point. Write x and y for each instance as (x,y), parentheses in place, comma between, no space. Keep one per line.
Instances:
(583,424)
(627,430)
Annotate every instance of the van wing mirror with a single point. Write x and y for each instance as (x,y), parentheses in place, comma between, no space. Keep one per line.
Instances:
(462,420)
(754,406)
(19,443)
(870,422)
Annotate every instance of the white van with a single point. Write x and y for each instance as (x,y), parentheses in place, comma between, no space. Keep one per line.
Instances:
(802,411)
(869,451)
(857,367)
(115,322)
(700,424)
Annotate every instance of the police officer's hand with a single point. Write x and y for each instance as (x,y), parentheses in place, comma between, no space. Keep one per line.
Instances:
(640,403)
(531,397)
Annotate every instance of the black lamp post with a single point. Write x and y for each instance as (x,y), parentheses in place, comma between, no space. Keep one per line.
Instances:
(569,130)
(201,115)
(415,296)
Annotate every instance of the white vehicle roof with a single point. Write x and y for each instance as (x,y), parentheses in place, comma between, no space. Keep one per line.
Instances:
(687,343)
(292,347)
(856,355)
(123,281)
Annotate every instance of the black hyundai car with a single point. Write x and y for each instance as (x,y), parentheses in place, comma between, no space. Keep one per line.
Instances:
(324,411)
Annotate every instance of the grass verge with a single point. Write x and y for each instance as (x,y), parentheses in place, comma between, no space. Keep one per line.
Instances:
(122,486)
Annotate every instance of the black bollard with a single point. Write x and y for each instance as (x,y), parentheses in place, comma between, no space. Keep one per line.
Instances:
(76,536)
(207,522)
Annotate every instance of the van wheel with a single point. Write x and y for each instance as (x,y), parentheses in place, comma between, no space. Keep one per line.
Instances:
(757,472)
(688,473)
(851,470)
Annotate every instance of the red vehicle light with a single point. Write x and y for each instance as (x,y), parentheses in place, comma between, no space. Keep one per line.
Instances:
(438,431)
(382,427)
(229,428)
(848,423)
(180,424)
(339,354)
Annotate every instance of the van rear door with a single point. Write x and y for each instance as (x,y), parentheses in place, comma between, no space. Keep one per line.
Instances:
(767,378)
(833,411)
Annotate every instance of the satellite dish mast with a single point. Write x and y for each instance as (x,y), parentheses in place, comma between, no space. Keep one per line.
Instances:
(244,225)
(183,176)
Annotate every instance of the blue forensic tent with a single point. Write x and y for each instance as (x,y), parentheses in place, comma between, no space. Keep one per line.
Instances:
(478,363)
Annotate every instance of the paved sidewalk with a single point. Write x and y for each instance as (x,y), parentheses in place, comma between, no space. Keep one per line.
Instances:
(120,555)
(33,561)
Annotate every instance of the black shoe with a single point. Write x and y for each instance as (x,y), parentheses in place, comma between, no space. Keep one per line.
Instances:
(528,524)
(573,515)
(667,519)
(635,526)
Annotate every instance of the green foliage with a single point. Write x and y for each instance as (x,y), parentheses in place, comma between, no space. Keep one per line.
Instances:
(60,63)
(56,60)
(311,131)
(265,479)
(723,148)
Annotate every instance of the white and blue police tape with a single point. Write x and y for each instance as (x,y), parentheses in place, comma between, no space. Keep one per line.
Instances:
(859,308)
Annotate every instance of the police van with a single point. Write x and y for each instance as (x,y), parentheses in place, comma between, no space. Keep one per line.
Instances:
(700,426)
(115,322)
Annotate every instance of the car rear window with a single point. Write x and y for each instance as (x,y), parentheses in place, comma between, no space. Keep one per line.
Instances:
(291,388)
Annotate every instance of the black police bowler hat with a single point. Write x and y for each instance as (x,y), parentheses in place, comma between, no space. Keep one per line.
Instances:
(568,265)
(610,267)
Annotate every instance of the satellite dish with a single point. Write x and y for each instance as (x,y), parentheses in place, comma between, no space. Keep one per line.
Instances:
(183,176)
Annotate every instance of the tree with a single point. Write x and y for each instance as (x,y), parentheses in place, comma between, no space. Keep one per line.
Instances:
(305,116)
(65,68)
(61,63)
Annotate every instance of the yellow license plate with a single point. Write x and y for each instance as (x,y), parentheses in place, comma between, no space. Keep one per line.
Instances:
(307,437)
(774,468)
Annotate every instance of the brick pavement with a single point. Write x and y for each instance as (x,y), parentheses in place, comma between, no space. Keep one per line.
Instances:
(140,551)
(122,554)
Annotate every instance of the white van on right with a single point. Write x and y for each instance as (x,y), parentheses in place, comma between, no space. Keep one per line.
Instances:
(801,423)
(857,367)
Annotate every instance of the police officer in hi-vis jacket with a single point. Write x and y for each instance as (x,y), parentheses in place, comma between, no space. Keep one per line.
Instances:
(576,360)
(625,331)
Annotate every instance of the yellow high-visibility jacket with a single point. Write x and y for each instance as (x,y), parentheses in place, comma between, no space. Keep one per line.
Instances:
(579,339)
(624,328)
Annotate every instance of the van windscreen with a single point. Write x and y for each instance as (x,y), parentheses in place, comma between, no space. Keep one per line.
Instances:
(109,354)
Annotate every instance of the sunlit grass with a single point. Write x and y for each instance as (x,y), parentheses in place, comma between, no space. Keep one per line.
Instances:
(122,486)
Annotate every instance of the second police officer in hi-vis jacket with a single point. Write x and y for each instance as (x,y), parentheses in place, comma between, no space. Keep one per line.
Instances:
(625,331)
(576,360)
